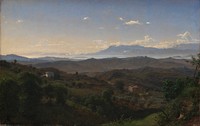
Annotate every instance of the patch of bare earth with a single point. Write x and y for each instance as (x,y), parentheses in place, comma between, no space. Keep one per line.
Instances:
(195,121)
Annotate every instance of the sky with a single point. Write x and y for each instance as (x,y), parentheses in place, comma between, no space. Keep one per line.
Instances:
(36,28)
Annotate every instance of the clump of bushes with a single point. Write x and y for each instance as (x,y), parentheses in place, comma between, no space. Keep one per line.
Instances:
(183,100)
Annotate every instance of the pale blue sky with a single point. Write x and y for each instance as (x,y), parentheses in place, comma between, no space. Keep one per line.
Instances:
(34,28)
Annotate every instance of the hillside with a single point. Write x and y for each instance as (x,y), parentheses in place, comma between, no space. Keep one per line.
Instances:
(26,60)
(102,65)
(85,100)
(12,57)
(147,77)
(46,107)
(81,99)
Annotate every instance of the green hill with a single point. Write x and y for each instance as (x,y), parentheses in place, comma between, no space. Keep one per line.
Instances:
(28,97)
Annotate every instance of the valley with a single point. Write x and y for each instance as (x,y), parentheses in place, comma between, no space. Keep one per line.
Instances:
(106,89)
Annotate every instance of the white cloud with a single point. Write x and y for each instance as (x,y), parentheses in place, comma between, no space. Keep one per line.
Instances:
(147,22)
(147,41)
(115,43)
(86,18)
(147,38)
(164,44)
(121,19)
(19,21)
(185,37)
(102,44)
(133,22)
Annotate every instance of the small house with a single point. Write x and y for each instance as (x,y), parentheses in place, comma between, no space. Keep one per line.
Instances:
(49,74)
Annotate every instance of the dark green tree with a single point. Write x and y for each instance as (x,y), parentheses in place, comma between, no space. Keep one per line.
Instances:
(172,89)
(61,94)
(49,92)
(183,98)
(196,62)
(30,95)
(107,95)
(119,85)
(15,61)
(9,100)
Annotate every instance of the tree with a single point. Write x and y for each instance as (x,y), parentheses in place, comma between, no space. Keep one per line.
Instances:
(15,61)
(119,85)
(107,95)
(30,95)
(196,63)
(61,94)
(9,100)
(183,98)
(49,93)
(173,89)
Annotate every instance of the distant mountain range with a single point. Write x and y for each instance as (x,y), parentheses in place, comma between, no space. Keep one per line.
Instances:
(191,46)
(182,50)
(12,57)
(100,65)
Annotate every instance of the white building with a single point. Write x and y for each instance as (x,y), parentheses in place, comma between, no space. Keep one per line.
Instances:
(49,74)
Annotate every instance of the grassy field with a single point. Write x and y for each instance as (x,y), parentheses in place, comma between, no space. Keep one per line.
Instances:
(147,121)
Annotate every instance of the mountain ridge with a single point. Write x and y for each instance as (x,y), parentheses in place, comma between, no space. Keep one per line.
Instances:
(183,50)
(102,65)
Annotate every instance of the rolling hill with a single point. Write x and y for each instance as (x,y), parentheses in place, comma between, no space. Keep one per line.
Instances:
(147,77)
(102,65)
(12,57)
(22,59)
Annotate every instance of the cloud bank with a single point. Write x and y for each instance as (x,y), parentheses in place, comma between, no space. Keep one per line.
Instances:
(133,22)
